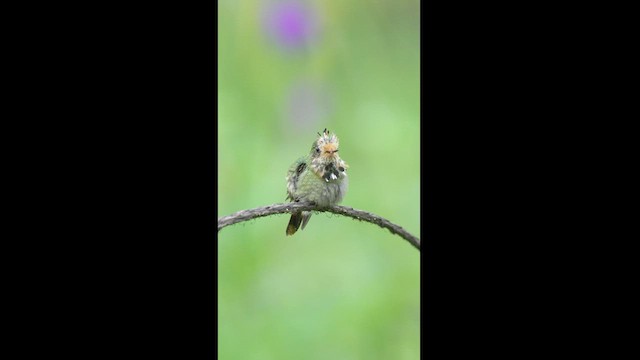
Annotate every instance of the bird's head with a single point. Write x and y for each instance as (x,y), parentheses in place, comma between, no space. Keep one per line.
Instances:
(325,161)
(325,148)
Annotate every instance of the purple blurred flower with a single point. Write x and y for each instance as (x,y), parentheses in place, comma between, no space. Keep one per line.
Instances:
(291,24)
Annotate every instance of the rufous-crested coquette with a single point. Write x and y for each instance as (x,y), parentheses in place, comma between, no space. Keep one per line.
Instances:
(320,177)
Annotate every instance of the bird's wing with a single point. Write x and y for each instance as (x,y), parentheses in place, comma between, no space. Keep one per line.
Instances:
(293,176)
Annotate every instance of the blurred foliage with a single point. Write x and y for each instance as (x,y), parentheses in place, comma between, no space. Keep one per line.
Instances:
(340,289)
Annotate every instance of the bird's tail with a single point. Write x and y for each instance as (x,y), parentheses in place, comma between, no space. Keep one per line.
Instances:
(298,218)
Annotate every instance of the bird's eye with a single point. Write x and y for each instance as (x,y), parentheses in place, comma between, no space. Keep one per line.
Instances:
(317,149)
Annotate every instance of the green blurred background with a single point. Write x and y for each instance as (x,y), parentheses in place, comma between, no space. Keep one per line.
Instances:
(340,289)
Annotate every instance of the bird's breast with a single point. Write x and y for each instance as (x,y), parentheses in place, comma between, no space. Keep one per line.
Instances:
(322,191)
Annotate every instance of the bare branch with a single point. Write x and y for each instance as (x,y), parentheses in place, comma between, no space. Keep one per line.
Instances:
(244,215)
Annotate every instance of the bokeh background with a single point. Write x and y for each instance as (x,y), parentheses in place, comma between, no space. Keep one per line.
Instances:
(340,289)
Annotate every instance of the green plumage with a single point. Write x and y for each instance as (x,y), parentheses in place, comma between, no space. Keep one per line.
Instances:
(319,177)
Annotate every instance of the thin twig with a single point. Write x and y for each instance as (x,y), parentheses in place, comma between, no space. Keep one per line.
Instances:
(244,215)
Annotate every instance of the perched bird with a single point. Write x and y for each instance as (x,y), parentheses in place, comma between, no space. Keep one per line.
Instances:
(320,177)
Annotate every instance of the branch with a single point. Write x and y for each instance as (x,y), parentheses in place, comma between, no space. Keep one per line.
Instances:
(244,215)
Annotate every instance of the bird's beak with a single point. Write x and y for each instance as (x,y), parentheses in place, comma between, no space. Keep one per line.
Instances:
(329,150)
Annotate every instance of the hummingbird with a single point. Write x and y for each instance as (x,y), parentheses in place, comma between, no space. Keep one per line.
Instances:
(320,177)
